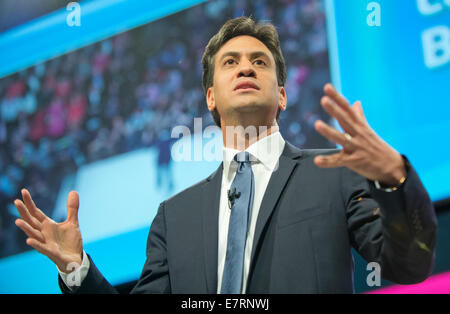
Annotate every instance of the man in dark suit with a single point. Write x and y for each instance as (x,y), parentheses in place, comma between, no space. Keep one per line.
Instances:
(272,218)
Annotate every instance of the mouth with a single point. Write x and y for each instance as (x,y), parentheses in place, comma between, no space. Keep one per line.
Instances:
(246,86)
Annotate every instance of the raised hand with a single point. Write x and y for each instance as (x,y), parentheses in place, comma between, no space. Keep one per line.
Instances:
(61,242)
(363,150)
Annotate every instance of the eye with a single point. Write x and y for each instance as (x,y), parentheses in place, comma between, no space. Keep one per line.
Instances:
(260,62)
(229,61)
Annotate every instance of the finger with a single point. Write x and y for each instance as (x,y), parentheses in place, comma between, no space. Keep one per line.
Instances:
(340,100)
(357,108)
(34,211)
(30,231)
(73,203)
(25,215)
(40,247)
(330,161)
(342,117)
(330,133)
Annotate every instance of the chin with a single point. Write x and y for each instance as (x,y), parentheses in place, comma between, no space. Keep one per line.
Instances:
(251,106)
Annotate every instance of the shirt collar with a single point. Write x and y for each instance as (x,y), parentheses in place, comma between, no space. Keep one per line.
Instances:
(267,151)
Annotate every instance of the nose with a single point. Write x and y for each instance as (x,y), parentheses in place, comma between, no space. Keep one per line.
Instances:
(246,70)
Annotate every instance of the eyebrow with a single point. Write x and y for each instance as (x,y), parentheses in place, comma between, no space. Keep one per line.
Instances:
(253,55)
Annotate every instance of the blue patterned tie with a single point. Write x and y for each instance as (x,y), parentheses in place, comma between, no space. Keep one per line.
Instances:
(241,200)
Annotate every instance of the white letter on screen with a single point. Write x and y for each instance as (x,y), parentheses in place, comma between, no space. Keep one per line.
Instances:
(436,46)
(427,8)
(74,17)
(374,18)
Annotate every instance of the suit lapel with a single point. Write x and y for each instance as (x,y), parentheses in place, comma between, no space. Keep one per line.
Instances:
(210,216)
(277,182)
(210,210)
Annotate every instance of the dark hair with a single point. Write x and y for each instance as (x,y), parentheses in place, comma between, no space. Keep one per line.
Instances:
(265,32)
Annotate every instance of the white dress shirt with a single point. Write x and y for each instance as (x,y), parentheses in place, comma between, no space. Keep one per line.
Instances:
(267,152)
(75,278)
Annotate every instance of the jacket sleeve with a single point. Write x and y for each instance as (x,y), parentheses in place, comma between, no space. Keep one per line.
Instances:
(395,229)
(155,274)
(93,283)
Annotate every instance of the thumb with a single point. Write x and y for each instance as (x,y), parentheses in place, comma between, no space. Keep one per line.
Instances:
(73,203)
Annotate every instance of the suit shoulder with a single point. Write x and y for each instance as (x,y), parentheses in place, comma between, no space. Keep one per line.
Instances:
(322,151)
(192,191)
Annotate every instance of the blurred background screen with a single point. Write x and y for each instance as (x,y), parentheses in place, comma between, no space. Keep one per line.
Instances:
(90,103)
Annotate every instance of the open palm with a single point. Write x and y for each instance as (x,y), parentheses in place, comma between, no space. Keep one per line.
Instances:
(61,242)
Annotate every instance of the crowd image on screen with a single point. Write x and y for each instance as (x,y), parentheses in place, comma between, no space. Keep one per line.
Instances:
(127,92)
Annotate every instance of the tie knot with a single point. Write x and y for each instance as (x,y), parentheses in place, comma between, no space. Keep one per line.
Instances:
(242,157)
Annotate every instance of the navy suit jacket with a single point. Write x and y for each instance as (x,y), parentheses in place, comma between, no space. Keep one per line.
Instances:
(309,220)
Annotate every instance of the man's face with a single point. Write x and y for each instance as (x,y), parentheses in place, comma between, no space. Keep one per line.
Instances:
(245,81)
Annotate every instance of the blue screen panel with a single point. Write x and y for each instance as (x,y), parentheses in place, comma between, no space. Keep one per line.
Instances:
(400,70)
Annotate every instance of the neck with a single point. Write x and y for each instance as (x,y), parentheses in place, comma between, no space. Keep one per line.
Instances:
(241,137)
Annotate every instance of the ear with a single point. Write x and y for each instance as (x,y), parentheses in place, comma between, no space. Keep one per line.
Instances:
(282,99)
(210,99)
